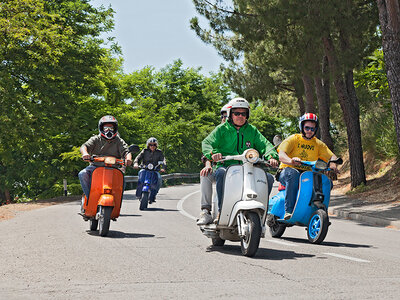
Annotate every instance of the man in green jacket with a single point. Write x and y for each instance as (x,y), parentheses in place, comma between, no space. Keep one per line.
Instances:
(232,138)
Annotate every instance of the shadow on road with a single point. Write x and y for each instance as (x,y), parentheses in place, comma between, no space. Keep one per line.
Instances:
(128,215)
(121,235)
(159,209)
(262,253)
(328,244)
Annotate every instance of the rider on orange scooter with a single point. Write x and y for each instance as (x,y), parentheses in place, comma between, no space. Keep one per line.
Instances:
(106,143)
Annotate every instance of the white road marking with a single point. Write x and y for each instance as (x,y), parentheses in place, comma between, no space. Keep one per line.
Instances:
(179,206)
(282,243)
(348,257)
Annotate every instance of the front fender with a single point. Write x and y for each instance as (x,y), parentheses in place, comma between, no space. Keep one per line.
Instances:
(246,205)
(106,200)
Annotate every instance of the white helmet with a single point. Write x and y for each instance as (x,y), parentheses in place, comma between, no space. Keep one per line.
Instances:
(151,140)
(226,108)
(239,102)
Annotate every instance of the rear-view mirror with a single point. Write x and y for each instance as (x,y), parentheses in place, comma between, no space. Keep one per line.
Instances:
(134,148)
(277,140)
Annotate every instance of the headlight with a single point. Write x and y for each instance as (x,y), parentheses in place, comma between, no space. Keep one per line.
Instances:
(109,160)
(252,155)
(321,165)
(150,166)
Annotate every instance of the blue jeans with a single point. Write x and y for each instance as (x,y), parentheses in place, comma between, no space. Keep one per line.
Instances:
(85,177)
(220,180)
(289,177)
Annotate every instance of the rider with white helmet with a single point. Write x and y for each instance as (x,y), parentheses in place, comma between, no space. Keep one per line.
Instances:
(207,178)
(232,138)
(151,154)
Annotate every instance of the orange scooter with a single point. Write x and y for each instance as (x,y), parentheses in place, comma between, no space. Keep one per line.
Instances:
(104,203)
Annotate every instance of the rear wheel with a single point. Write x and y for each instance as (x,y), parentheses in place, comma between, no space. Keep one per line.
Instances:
(93,224)
(251,240)
(144,201)
(277,230)
(318,226)
(104,220)
(218,242)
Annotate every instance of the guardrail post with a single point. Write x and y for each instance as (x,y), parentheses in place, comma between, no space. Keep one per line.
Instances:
(65,187)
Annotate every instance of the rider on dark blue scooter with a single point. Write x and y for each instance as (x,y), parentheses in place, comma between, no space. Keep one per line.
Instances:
(154,156)
(297,147)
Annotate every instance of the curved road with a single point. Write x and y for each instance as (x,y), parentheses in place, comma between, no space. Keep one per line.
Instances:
(160,253)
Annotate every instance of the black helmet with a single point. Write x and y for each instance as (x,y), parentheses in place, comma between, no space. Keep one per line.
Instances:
(110,134)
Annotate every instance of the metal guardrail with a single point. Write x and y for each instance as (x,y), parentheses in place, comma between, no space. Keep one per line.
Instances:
(130,178)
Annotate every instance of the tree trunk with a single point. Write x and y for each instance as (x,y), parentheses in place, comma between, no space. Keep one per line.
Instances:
(389,17)
(323,113)
(300,100)
(349,105)
(309,93)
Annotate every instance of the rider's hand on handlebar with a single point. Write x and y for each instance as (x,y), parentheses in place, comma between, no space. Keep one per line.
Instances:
(136,166)
(216,157)
(334,168)
(296,161)
(162,170)
(205,171)
(86,157)
(273,162)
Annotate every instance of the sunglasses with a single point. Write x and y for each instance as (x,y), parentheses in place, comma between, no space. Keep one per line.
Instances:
(236,113)
(224,116)
(150,145)
(307,128)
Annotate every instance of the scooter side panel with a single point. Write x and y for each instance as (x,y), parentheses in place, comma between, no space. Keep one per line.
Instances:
(276,205)
(105,177)
(302,209)
(233,189)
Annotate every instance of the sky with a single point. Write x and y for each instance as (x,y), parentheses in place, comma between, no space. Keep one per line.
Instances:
(157,32)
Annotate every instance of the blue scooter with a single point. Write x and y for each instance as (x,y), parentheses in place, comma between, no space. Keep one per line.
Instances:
(147,184)
(311,209)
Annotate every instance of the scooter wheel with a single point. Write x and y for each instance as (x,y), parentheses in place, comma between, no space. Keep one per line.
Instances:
(93,224)
(318,226)
(104,221)
(277,230)
(217,242)
(250,242)
(144,201)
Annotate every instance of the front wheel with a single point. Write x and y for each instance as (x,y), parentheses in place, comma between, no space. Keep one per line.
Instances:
(144,201)
(252,234)
(104,220)
(318,226)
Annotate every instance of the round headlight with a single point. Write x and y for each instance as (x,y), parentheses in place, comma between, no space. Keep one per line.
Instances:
(252,155)
(150,166)
(109,160)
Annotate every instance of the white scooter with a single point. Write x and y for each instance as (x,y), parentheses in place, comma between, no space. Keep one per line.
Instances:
(244,207)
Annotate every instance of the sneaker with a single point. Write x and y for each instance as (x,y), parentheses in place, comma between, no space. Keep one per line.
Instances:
(205,218)
(287,216)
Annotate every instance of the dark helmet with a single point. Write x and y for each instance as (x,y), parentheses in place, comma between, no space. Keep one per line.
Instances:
(109,134)
(308,117)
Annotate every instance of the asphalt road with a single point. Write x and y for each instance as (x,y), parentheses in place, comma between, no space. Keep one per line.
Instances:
(160,253)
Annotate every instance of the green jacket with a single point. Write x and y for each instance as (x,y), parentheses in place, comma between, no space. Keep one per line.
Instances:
(228,140)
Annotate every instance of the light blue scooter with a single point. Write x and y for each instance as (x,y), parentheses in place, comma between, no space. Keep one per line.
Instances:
(311,209)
